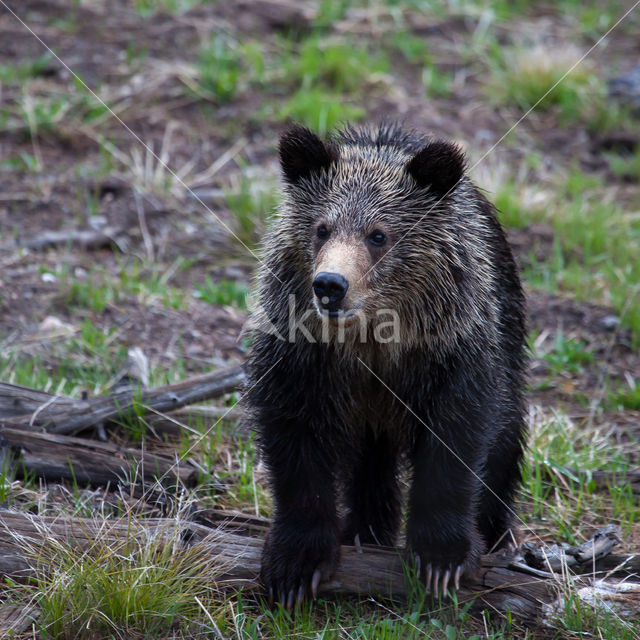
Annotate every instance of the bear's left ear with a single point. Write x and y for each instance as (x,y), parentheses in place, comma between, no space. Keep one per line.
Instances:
(303,153)
(439,166)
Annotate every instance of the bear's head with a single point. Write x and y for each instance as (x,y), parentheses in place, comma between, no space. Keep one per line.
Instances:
(375,222)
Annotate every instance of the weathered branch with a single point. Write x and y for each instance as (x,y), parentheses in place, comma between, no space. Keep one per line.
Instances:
(55,457)
(556,557)
(501,585)
(25,408)
(83,238)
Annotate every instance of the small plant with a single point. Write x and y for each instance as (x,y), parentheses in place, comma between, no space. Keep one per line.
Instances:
(567,355)
(329,12)
(437,83)
(625,397)
(42,114)
(147,8)
(319,110)
(251,202)
(127,581)
(223,292)
(17,73)
(543,78)
(511,209)
(93,293)
(132,420)
(339,66)
(220,67)
(21,162)
(413,48)
(626,166)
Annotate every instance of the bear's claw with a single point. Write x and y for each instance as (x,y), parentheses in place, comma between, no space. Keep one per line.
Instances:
(294,597)
(315,581)
(437,582)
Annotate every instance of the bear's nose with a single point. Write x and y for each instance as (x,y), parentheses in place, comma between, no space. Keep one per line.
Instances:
(330,288)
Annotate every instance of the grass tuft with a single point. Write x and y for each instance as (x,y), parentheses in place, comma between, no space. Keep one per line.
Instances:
(544,77)
(129,580)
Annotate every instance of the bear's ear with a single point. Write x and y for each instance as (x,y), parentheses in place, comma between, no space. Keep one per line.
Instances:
(439,166)
(303,153)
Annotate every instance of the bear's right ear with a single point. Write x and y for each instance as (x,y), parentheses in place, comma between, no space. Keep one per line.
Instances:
(303,153)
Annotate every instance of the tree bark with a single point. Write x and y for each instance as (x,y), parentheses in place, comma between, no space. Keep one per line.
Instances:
(55,458)
(25,408)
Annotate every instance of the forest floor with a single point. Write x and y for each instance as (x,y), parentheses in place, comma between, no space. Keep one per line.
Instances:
(152,128)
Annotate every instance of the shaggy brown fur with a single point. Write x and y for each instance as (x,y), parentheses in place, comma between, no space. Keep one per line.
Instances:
(378,220)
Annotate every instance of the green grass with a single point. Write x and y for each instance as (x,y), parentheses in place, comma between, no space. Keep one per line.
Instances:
(319,110)
(22,162)
(626,166)
(375,619)
(328,12)
(16,73)
(544,79)
(624,397)
(596,242)
(98,288)
(220,66)
(513,212)
(567,355)
(223,292)
(86,361)
(252,203)
(578,619)
(437,83)
(340,66)
(148,8)
(139,586)
(557,488)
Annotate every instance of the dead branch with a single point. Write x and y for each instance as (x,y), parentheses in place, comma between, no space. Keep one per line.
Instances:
(82,238)
(502,584)
(56,457)
(26,408)
(555,557)
(16,619)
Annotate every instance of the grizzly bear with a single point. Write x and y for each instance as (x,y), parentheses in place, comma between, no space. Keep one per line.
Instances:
(390,334)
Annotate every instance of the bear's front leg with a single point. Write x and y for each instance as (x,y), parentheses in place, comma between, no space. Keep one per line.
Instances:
(302,547)
(442,536)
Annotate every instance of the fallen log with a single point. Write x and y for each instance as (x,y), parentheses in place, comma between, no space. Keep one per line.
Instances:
(192,417)
(82,238)
(26,408)
(17,619)
(502,584)
(55,458)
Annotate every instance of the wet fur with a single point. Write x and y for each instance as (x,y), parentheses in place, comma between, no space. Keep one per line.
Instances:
(333,436)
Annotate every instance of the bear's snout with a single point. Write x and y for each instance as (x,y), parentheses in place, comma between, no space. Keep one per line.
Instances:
(330,289)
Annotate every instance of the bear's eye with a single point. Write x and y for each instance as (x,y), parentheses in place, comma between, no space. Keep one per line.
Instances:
(322,231)
(377,238)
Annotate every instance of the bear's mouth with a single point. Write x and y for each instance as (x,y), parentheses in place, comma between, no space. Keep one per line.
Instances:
(339,317)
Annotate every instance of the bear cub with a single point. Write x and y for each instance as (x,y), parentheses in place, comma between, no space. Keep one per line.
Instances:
(389,332)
